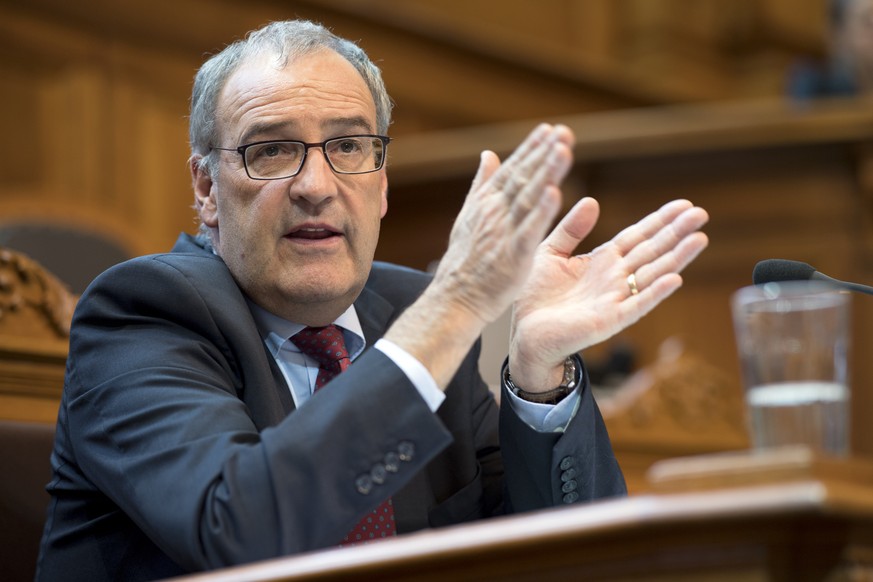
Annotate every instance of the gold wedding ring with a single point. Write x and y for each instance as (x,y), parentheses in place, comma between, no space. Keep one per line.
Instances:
(632,284)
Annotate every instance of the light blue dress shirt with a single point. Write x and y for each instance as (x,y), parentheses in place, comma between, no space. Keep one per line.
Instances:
(300,371)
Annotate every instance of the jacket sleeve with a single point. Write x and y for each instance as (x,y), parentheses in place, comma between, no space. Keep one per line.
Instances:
(546,469)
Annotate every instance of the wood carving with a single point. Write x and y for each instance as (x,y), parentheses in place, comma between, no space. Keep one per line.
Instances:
(35,314)
(679,405)
(33,302)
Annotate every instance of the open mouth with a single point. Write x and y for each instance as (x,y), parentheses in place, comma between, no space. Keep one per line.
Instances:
(312,234)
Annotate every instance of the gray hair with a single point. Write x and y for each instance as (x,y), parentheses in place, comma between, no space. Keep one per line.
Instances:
(287,40)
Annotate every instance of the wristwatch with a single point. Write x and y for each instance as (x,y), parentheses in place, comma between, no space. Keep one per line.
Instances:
(571,380)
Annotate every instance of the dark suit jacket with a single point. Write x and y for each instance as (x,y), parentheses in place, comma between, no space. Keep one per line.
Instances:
(178,447)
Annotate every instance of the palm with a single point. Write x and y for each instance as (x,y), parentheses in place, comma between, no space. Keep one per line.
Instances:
(578,291)
(571,302)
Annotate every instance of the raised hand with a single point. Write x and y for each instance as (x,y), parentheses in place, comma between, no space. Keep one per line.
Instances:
(506,214)
(571,302)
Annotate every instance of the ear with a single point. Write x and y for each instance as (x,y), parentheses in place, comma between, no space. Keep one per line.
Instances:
(204,197)
(383,186)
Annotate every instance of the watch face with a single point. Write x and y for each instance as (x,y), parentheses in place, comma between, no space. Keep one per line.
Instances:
(569,373)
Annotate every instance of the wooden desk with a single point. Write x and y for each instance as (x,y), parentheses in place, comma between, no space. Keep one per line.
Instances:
(788,517)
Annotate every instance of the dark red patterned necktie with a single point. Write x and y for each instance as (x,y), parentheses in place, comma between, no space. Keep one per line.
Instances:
(326,346)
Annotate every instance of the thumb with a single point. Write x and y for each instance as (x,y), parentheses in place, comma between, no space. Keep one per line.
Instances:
(574,227)
(488,164)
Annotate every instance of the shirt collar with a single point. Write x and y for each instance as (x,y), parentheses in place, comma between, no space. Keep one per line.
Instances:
(277,332)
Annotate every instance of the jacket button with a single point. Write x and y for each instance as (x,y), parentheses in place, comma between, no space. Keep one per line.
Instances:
(392,462)
(364,484)
(378,473)
(566,463)
(568,474)
(568,486)
(405,450)
(571,497)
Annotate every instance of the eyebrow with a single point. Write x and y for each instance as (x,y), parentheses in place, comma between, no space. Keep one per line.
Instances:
(354,123)
(259,129)
(357,122)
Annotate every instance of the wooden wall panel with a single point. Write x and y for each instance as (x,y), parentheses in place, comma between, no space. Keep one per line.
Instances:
(95,133)
(779,182)
(95,99)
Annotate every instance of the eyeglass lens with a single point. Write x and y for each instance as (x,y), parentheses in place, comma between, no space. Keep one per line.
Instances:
(348,155)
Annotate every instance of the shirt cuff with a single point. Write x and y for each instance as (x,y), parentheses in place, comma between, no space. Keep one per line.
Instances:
(546,417)
(415,371)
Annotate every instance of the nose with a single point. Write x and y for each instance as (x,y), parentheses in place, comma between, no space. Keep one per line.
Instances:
(314,182)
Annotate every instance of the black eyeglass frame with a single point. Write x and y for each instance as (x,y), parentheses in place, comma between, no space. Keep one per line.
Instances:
(241,150)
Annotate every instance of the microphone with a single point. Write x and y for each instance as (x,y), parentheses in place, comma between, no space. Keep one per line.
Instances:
(775,270)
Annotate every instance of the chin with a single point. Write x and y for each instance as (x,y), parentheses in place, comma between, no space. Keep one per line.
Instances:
(321,290)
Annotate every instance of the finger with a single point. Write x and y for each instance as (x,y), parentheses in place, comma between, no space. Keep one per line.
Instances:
(524,166)
(635,307)
(673,262)
(542,133)
(533,225)
(573,227)
(548,172)
(560,139)
(530,146)
(630,237)
(666,239)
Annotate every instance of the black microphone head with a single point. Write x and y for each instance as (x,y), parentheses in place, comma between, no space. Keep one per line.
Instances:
(773,270)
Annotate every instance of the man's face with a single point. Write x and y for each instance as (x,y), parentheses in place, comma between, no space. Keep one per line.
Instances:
(300,247)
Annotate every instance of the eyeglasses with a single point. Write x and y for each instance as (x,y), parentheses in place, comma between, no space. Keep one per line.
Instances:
(350,154)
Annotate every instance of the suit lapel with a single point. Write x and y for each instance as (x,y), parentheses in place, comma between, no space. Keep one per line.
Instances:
(258,395)
(281,385)
(375,314)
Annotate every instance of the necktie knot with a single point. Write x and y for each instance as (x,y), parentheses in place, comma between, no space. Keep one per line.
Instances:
(325,345)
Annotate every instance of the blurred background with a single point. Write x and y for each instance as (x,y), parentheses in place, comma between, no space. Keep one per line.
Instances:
(755,109)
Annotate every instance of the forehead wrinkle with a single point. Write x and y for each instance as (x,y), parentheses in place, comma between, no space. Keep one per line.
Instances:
(274,103)
(285,129)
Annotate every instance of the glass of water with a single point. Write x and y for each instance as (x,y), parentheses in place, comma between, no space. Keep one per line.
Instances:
(793,345)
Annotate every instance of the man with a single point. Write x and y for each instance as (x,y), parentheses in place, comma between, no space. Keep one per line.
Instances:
(191,434)
(847,69)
